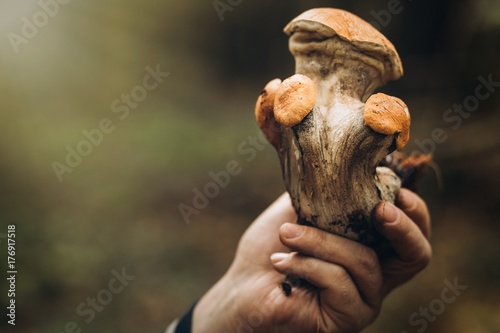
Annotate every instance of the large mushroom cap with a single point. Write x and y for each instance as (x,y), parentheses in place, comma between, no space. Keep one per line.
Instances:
(329,22)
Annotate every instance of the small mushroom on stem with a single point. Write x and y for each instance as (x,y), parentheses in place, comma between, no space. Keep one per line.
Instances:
(330,132)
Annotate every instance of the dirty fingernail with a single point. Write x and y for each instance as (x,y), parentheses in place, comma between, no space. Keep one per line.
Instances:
(390,213)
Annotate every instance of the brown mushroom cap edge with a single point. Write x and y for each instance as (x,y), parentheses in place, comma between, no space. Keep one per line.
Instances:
(330,22)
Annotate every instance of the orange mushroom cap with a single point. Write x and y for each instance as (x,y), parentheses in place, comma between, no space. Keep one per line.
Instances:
(388,115)
(295,98)
(265,103)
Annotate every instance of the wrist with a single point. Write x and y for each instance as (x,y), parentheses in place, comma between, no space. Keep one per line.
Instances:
(217,310)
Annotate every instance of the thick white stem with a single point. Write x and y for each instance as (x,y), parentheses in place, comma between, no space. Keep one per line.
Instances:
(329,160)
(329,165)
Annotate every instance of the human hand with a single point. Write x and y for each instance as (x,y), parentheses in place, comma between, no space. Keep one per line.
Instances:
(351,281)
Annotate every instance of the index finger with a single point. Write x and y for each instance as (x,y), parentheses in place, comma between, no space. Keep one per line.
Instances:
(416,209)
(405,237)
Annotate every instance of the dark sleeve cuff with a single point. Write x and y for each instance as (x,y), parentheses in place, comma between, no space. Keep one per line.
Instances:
(183,325)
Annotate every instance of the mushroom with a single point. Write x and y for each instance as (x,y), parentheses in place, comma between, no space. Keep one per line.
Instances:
(330,132)
(295,98)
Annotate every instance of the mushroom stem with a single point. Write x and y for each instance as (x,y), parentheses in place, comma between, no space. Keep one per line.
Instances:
(341,70)
(329,154)
(329,160)
(329,163)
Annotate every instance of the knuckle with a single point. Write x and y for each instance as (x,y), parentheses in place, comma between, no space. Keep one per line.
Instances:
(423,258)
(370,266)
(340,273)
(313,238)
(303,267)
(426,255)
(315,235)
(356,316)
(310,265)
(367,259)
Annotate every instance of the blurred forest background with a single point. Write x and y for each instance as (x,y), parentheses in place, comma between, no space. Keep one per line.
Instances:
(119,207)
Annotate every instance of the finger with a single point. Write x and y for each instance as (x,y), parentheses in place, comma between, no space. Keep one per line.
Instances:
(359,261)
(405,237)
(339,292)
(260,239)
(416,209)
